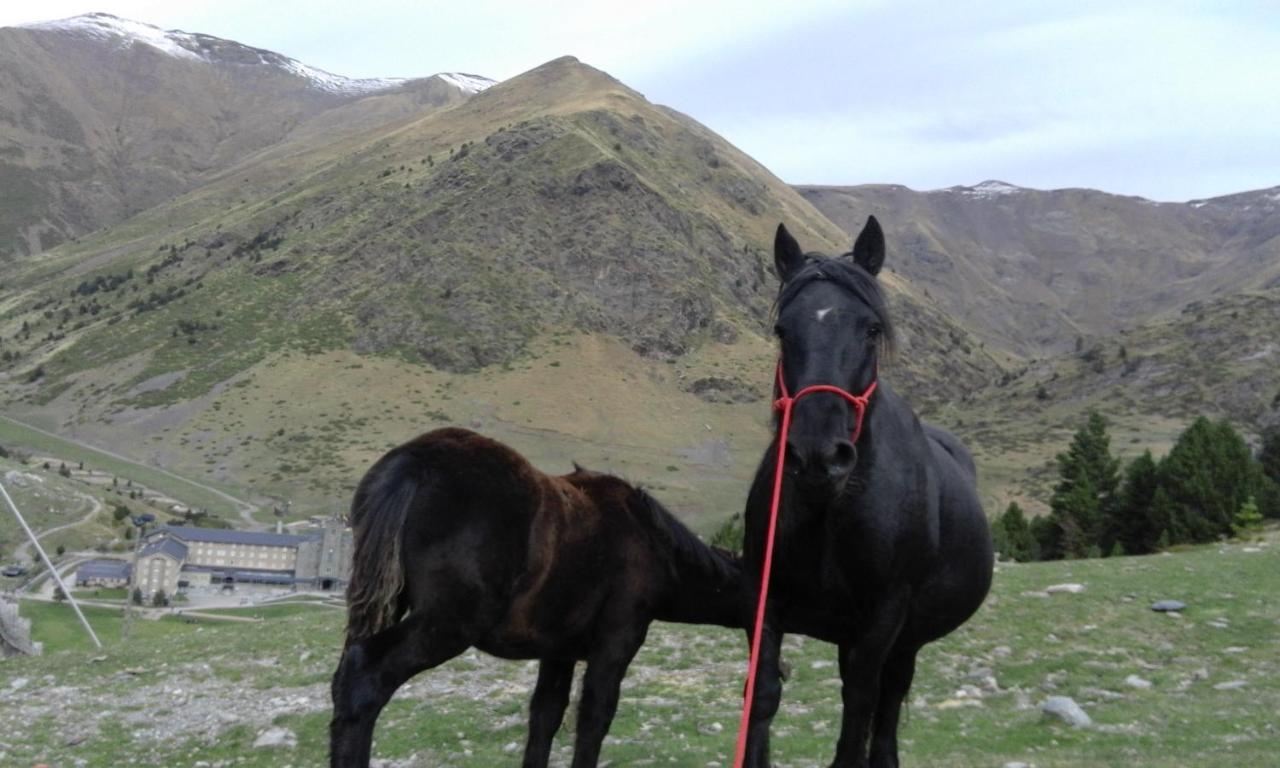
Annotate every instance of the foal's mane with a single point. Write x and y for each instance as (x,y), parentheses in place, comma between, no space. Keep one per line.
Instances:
(847,275)
(685,544)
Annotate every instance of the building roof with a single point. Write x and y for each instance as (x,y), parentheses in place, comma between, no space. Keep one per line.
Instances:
(103,569)
(227,536)
(166,546)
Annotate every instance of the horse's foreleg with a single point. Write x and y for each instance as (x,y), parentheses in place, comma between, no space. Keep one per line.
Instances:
(895,681)
(546,709)
(606,666)
(370,672)
(768,691)
(861,666)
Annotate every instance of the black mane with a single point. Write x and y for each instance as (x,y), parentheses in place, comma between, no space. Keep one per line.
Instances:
(717,564)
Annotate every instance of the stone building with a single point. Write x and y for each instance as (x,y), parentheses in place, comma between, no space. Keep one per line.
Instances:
(180,556)
(103,573)
(159,564)
(324,560)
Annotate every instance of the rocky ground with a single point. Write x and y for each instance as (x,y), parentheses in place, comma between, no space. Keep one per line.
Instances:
(1066,665)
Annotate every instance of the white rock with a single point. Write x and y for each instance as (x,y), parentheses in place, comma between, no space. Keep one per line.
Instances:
(1231,685)
(276,737)
(1065,708)
(1073,589)
(1133,681)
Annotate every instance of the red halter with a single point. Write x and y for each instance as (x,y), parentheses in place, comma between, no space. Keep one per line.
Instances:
(785,403)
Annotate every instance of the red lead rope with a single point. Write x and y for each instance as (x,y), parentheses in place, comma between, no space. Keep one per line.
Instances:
(784,403)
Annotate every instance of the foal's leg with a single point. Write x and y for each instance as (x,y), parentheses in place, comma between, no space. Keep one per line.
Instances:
(606,666)
(370,672)
(546,709)
(895,681)
(768,692)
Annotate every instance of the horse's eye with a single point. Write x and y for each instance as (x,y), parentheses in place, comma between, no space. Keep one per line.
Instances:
(779,332)
(874,332)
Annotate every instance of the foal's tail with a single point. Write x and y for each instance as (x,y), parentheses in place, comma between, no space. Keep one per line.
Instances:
(378,512)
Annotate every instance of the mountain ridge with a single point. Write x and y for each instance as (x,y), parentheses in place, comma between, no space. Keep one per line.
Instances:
(1032,270)
(101,118)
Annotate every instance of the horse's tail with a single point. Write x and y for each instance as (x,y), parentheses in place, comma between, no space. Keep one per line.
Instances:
(378,513)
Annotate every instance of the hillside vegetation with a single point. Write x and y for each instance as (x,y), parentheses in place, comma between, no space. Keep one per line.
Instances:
(1212,670)
(553,221)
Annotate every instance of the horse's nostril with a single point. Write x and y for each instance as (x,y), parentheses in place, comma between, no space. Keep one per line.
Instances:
(841,457)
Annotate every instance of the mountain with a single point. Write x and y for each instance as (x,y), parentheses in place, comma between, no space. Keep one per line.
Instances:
(1031,271)
(102,117)
(554,259)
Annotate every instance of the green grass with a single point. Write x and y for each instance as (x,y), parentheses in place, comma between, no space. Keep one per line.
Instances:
(13,433)
(55,625)
(101,593)
(686,679)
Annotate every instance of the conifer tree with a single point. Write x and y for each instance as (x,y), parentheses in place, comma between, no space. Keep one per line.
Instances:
(1012,535)
(1208,475)
(1269,456)
(1084,498)
(1134,524)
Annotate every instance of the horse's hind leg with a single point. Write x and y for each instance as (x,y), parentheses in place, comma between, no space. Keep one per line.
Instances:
(546,709)
(606,666)
(370,672)
(895,681)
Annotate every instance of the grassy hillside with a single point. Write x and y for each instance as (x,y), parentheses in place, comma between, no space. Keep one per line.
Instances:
(555,260)
(1031,270)
(222,685)
(96,126)
(1217,358)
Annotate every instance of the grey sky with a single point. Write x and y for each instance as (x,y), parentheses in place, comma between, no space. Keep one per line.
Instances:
(1167,100)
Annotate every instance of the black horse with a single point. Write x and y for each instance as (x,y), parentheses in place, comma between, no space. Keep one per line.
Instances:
(460,542)
(881,546)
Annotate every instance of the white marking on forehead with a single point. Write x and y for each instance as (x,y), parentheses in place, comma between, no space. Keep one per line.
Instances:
(823,312)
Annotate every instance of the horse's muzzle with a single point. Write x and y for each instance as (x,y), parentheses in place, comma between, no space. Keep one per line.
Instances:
(828,465)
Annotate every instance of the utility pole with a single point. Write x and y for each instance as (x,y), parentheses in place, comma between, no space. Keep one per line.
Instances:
(139,521)
(49,564)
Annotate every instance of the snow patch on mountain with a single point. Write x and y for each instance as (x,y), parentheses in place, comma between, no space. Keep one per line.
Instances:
(104,26)
(328,81)
(992,189)
(468,83)
(986,189)
(195,47)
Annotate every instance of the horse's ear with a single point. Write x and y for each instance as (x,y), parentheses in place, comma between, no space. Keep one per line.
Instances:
(787,256)
(868,249)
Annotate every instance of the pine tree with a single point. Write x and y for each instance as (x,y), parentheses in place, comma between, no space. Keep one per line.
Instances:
(1133,524)
(1208,475)
(1012,535)
(1248,519)
(1269,456)
(1085,496)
